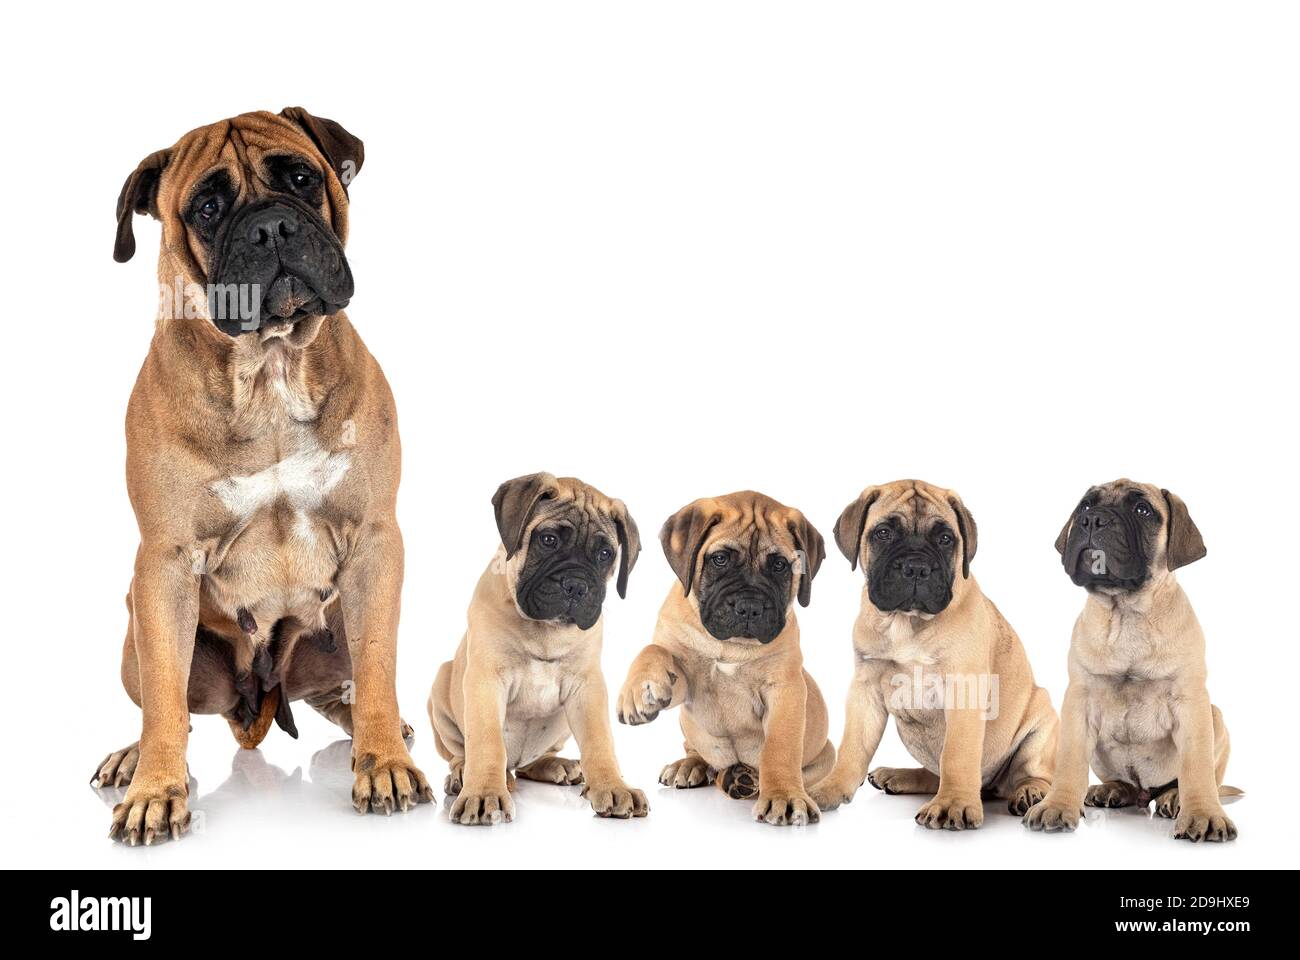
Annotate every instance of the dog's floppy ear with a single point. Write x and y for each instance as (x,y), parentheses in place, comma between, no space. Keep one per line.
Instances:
(344,152)
(1064,536)
(139,195)
(812,551)
(629,544)
(969,535)
(514,503)
(1184,544)
(852,521)
(682,537)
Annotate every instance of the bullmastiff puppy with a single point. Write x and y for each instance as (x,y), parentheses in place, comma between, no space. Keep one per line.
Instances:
(726,650)
(262,464)
(935,654)
(527,672)
(1137,710)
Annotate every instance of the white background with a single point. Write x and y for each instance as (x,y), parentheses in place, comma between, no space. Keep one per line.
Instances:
(679,249)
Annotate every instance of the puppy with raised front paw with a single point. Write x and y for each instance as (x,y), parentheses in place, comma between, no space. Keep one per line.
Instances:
(527,672)
(726,650)
(1137,710)
(933,652)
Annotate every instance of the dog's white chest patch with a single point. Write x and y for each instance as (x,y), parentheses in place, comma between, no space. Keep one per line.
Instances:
(302,480)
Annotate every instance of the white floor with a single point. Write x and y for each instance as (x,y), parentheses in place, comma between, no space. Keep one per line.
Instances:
(287,805)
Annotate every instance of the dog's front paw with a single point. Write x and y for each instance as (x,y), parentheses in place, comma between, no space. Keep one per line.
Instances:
(1205,823)
(387,780)
(692,771)
(485,804)
(786,808)
(155,808)
(642,697)
(830,792)
(1053,816)
(951,813)
(116,769)
(1025,795)
(616,800)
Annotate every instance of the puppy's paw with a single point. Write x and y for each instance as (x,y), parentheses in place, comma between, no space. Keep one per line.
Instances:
(1111,794)
(686,773)
(739,781)
(642,697)
(951,813)
(616,800)
(117,769)
(1207,823)
(1025,795)
(387,781)
(486,805)
(1052,816)
(783,808)
(829,793)
(155,808)
(894,780)
(1167,804)
(559,770)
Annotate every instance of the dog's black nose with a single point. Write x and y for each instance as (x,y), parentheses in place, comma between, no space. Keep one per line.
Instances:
(913,568)
(1094,520)
(275,223)
(749,608)
(574,588)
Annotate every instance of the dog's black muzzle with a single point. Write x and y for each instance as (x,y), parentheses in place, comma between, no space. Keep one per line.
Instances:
(913,577)
(276,262)
(744,610)
(1105,549)
(566,594)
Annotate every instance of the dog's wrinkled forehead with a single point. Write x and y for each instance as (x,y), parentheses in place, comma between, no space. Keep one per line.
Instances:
(1124,492)
(755,528)
(584,509)
(916,504)
(243,150)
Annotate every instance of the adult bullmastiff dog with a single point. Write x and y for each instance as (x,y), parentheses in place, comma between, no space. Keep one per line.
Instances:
(527,672)
(935,654)
(1137,710)
(726,650)
(262,464)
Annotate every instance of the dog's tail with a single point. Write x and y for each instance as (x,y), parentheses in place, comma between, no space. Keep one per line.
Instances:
(1227,791)
(257,730)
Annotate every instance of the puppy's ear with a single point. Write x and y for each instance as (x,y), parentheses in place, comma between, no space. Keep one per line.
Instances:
(852,522)
(969,535)
(139,195)
(1063,537)
(629,544)
(682,537)
(341,150)
(514,503)
(812,551)
(1184,544)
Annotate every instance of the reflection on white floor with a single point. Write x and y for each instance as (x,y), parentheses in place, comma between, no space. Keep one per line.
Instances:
(288,805)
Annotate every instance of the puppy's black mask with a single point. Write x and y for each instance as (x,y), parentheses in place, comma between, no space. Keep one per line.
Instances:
(911,571)
(1112,540)
(564,572)
(742,596)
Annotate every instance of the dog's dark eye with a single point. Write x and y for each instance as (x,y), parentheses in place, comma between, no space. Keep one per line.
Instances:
(549,540)
(1142,509)
(720,559)
(780,564)
(604,554)
(1085,507)
(883,534)
(946,538)
(302,178)
(210,208)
